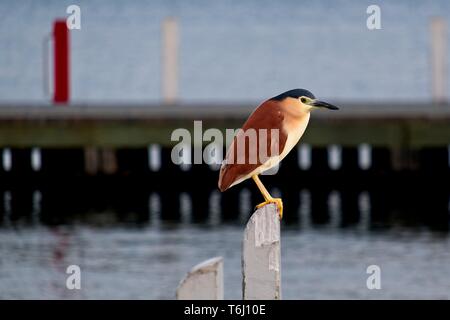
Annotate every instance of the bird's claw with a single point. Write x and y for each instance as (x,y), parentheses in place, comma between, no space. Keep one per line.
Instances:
(277,201)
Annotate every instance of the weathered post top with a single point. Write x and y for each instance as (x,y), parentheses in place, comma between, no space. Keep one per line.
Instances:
(203,282)
(261,260)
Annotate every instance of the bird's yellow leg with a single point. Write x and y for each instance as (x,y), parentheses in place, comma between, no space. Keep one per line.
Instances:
(267,197)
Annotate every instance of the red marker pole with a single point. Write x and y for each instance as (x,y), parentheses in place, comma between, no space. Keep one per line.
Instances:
(61,67)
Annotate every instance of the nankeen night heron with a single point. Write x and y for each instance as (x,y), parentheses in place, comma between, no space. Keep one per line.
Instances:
(277,125)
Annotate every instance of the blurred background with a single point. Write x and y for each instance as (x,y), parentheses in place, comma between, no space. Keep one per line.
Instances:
(86,117)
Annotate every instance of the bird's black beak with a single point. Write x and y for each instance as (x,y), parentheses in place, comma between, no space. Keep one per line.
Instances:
(323,104)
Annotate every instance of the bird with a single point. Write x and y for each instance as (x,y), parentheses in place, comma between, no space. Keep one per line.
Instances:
(286,116)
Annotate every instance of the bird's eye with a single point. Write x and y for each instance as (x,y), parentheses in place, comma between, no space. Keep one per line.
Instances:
(303,100)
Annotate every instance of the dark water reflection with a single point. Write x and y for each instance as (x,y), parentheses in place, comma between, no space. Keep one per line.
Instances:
(136,250)
(306,208)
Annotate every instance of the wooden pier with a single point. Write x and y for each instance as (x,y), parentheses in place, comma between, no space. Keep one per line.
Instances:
(102,134)
(71,153)
(396,125)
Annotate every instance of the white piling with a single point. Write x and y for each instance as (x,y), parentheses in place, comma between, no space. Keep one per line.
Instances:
(261,265)
(439,59)
(91,160)
(203,282)
(169,60)
(109,162)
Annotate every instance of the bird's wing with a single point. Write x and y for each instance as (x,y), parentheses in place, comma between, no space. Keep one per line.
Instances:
(242,158)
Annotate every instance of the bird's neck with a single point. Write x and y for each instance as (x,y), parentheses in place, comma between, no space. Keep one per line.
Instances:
(296,121)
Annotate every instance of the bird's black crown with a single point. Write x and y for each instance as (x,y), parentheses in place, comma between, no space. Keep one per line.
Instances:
(294,93)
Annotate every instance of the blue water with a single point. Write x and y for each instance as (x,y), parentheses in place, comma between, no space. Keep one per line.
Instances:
(229,50)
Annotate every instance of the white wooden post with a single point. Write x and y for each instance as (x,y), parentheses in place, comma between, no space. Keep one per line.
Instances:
(261,267)
(203,282)
(439,59)
(169,60)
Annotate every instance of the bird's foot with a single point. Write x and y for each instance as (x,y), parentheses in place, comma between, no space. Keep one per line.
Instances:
(278,202)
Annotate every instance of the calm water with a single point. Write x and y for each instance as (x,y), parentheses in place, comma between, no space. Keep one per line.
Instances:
(135,253)
(229,50)
(147,263)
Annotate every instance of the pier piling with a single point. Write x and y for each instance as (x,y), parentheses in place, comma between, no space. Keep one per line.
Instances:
(170,60)
(439,59)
